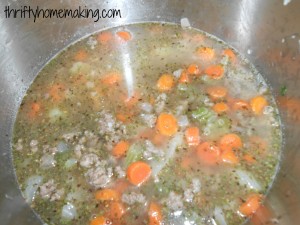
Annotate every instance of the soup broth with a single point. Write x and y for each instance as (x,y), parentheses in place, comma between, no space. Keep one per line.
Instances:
(147,124)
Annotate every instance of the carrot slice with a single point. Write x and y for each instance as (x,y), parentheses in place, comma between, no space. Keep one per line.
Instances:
(184,77)
(34,110)
(104,37)
(121,185)
(123,117)
(130,101)
(208,153)
(165,82)
(230,141)
(158,139)
(231,55)
(220,107)
(252,203)
(263,215)
(215,71)
(205,53)
(107,195)
(100,220)
(258,103)
(229,157)
(111,78)
(120,149)
(138,173)
(166,124)
(56,92)
(186,162)
(124,35)
(216,92)
(154,136)
(81,55)
(117,210)
(192,136)
(240,105)
(154,214)
(249,158)
(193,69)
(258,143)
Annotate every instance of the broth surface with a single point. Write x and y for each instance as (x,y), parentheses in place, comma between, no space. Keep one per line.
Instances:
(147,124)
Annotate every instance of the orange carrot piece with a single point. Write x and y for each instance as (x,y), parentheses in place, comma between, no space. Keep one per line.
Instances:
(240,105)
(193,69)
(192,136)
(117,210)
(121,185)
(81,55)
(263,215)
(34,109)
(138,173)
(230,141)
(154,136)
(100,220)
(220,107)
(165,82)
(56,92)
(166,124)
(132,100)
(154,214)
(184,77)
(111,78)
(158,139)
(215,71)
(252,203)
(186,162)
(107,195)
(120,149)
(104,37)
(229,157)
(123,117)
(257,143)
(249,158)
(257,104)
(208,153)
(198,38)
(205,53)
(152,100)
(231,55)
(124,35)
(216,92)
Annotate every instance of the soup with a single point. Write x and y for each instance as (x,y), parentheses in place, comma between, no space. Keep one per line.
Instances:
(147,124)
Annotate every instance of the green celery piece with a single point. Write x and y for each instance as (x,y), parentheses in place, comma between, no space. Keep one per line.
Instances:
(134,153)
(203,114)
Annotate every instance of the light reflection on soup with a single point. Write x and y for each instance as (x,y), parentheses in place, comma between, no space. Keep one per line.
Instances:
(147,124)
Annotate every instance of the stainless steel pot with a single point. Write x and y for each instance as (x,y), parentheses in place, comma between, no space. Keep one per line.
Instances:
(267,32)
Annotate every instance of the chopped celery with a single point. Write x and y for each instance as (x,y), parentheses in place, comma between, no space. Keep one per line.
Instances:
(134,153)
(203,114)
(213,125)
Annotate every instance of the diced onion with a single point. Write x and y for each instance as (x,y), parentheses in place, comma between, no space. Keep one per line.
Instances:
(146,107)
(32,185)
(177,73)
(47,161)
(55,113)
(219,216)
(246,179)
(62,147)
(183,121)
(68,212)
(157,166)
(70,163)
(185,22)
